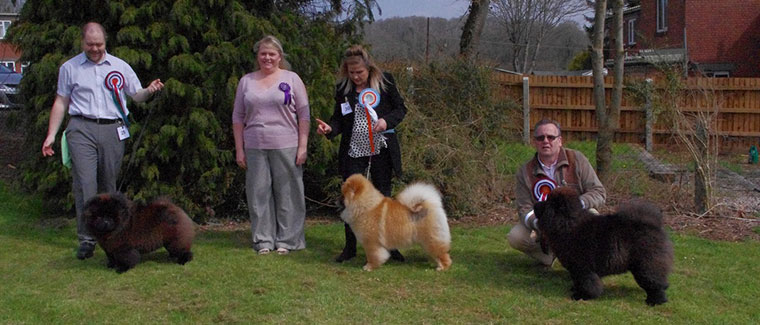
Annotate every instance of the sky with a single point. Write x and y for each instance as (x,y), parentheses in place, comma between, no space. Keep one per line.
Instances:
(423,8)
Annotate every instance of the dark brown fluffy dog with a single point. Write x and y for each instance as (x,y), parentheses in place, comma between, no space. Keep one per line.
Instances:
(382,224)
(125,230)
(591,246)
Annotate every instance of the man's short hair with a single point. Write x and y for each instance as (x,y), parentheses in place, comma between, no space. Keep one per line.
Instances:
(548,121)
(90,25)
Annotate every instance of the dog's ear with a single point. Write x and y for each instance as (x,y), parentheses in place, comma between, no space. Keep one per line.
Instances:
(348,190)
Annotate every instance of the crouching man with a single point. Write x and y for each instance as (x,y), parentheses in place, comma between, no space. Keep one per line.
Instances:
(552,166)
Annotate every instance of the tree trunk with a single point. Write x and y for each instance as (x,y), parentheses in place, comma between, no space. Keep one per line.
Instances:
(701,171)
(473,27)
(597,65)
(608,123)
(539,41)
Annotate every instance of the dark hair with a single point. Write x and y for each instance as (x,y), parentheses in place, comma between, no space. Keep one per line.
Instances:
(548,121)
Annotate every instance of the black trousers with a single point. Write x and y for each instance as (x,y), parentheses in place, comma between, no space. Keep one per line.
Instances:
(381,172)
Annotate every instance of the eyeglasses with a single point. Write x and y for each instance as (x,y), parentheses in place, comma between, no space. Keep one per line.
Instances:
(551,138)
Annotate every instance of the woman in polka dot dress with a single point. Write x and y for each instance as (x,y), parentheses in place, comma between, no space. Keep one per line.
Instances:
(357,72)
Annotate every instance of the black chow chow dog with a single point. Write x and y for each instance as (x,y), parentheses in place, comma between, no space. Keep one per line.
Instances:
(591,246)
(125,230)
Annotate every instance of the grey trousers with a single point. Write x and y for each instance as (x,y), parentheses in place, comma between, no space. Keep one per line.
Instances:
(521,239)
(276,203)
(96,154)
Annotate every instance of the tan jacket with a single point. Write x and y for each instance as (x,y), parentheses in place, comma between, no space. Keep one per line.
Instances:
(585,182)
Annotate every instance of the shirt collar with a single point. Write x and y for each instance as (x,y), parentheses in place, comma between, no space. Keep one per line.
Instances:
(106,59)
(545,165)
(561,160)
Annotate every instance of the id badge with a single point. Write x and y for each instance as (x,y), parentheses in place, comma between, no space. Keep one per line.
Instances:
(123,132)
(346,108)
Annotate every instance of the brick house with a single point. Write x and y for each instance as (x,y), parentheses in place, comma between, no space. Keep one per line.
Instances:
(710,37)
(10,56)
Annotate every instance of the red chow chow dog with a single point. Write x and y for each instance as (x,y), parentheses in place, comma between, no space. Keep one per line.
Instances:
(382,224)
(125,230)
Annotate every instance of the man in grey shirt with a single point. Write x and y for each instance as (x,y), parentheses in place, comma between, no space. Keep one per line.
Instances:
(92,87)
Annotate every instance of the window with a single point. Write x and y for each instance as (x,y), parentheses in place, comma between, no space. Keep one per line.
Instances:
(632,32)
(662,15)
(24,66)
(4,25)
(9,64)
(719,74)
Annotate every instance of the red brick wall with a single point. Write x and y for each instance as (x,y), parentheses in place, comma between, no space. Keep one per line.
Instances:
(725,31)
(9,52)
(673,36)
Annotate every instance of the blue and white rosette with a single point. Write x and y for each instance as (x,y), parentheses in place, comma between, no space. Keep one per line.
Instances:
(542,188)
(370,98)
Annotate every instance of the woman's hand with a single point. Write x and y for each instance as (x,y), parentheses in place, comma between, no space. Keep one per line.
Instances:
(381,125)
(322,128)
(300,156)
(240,158)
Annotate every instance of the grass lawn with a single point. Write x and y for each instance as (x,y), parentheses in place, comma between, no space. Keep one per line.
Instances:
(42,282)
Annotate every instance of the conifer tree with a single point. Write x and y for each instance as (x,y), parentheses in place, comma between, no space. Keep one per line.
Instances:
(199,49)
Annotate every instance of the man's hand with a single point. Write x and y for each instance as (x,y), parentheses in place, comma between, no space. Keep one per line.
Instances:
(155,86)
(47,146)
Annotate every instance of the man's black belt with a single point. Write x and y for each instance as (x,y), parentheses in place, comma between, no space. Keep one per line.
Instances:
(97,120)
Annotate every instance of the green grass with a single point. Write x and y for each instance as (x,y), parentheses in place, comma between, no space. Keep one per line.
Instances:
(42,282)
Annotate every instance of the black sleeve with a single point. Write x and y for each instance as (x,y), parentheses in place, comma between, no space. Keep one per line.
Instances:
(335,119)
(398,108)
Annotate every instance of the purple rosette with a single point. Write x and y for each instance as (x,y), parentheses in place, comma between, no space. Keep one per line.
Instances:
(285,89)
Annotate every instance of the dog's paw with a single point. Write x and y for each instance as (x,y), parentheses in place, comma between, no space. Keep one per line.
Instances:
(656,299)
(581,296)
(367,267)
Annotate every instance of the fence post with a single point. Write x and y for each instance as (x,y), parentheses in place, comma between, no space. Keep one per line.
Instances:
(649,116)
(526,110)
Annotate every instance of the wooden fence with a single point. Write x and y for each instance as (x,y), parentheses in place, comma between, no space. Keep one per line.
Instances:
(570,101)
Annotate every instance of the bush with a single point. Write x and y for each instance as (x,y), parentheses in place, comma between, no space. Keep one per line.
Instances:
(452,132)
(199,49)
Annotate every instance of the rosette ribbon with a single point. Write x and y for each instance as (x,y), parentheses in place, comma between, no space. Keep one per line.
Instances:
(285,88)
(370,98)
(115,83)
(542,188)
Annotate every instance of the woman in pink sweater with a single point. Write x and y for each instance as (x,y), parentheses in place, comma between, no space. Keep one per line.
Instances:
(270,122)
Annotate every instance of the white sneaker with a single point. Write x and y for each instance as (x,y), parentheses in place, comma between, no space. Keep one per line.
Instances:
(264,251)
(282,251)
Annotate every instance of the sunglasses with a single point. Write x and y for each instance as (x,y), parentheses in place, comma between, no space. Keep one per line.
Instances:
(550,137)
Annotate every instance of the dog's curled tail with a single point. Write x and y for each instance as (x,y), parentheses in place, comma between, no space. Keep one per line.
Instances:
(417,194)
(425,202)
(642,211)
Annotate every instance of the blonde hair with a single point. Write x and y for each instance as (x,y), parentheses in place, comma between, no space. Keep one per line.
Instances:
(274,43)
(356,54)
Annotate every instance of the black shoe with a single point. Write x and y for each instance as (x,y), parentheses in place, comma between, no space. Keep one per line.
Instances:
(396,256)
(85,250)
(345,256)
